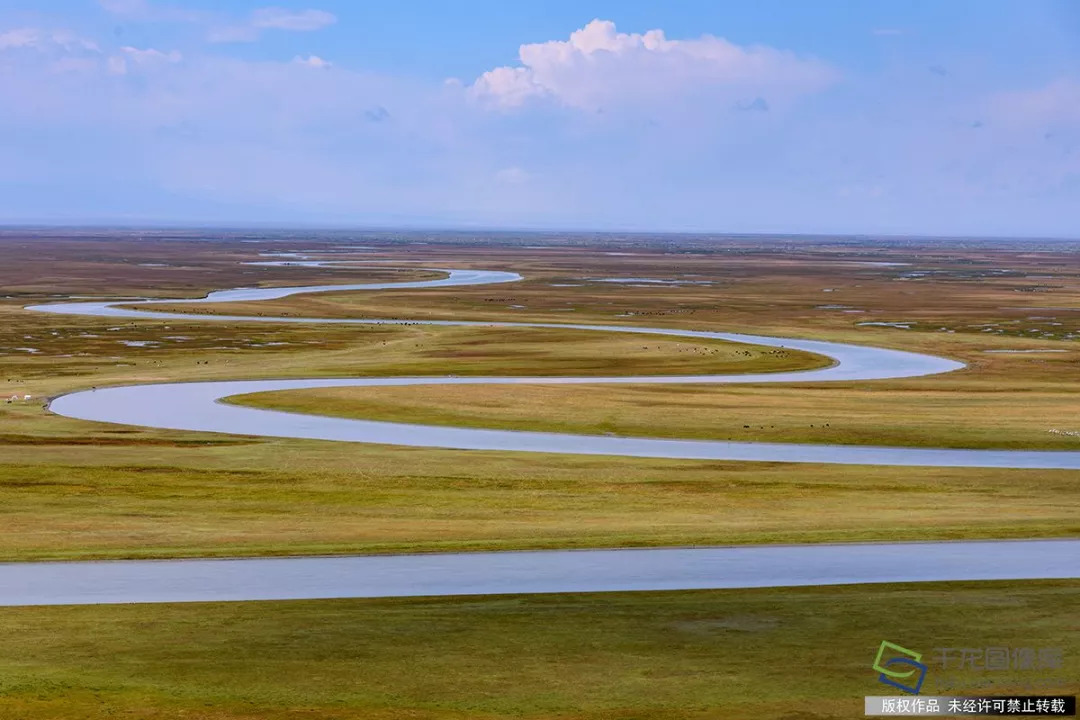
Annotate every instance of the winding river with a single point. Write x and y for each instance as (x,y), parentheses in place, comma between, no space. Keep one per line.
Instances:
(196,406)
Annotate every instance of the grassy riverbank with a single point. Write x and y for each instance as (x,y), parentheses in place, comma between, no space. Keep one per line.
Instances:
(157,494)
(71,489)
(753,654)
(920,413)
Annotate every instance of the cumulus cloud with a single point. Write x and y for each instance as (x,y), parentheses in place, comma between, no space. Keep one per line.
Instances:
(600,67)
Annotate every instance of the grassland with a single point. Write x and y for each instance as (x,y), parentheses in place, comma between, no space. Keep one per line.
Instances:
(71,489)
(921,413)
(76,490)
(753,654)
(1013,316)
(157,494)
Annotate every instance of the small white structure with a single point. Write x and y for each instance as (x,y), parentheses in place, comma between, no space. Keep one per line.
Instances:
(26,397)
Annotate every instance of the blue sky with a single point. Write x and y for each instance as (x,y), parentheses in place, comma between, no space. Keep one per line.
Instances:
(957,118)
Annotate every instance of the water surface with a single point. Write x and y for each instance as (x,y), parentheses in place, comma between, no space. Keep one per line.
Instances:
(485,573)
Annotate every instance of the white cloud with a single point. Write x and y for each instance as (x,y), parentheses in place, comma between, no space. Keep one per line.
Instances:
(599,67)
(271,18)
(509,86)
(57,52)
(118,64)
(695,133)
(150,55)
(281,19)
(19,38)
(56,40)
(312,61)
(72,42)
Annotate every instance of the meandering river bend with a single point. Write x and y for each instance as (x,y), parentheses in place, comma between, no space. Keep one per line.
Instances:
(196,406)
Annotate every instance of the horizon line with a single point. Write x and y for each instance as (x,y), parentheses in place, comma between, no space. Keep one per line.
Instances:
(227,226)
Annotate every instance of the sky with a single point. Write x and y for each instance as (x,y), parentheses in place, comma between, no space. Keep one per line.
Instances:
(763,116)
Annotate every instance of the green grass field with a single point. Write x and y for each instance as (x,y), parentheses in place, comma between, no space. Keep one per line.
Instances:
(753,654)
(158,494)
(78,490)
(71,489)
